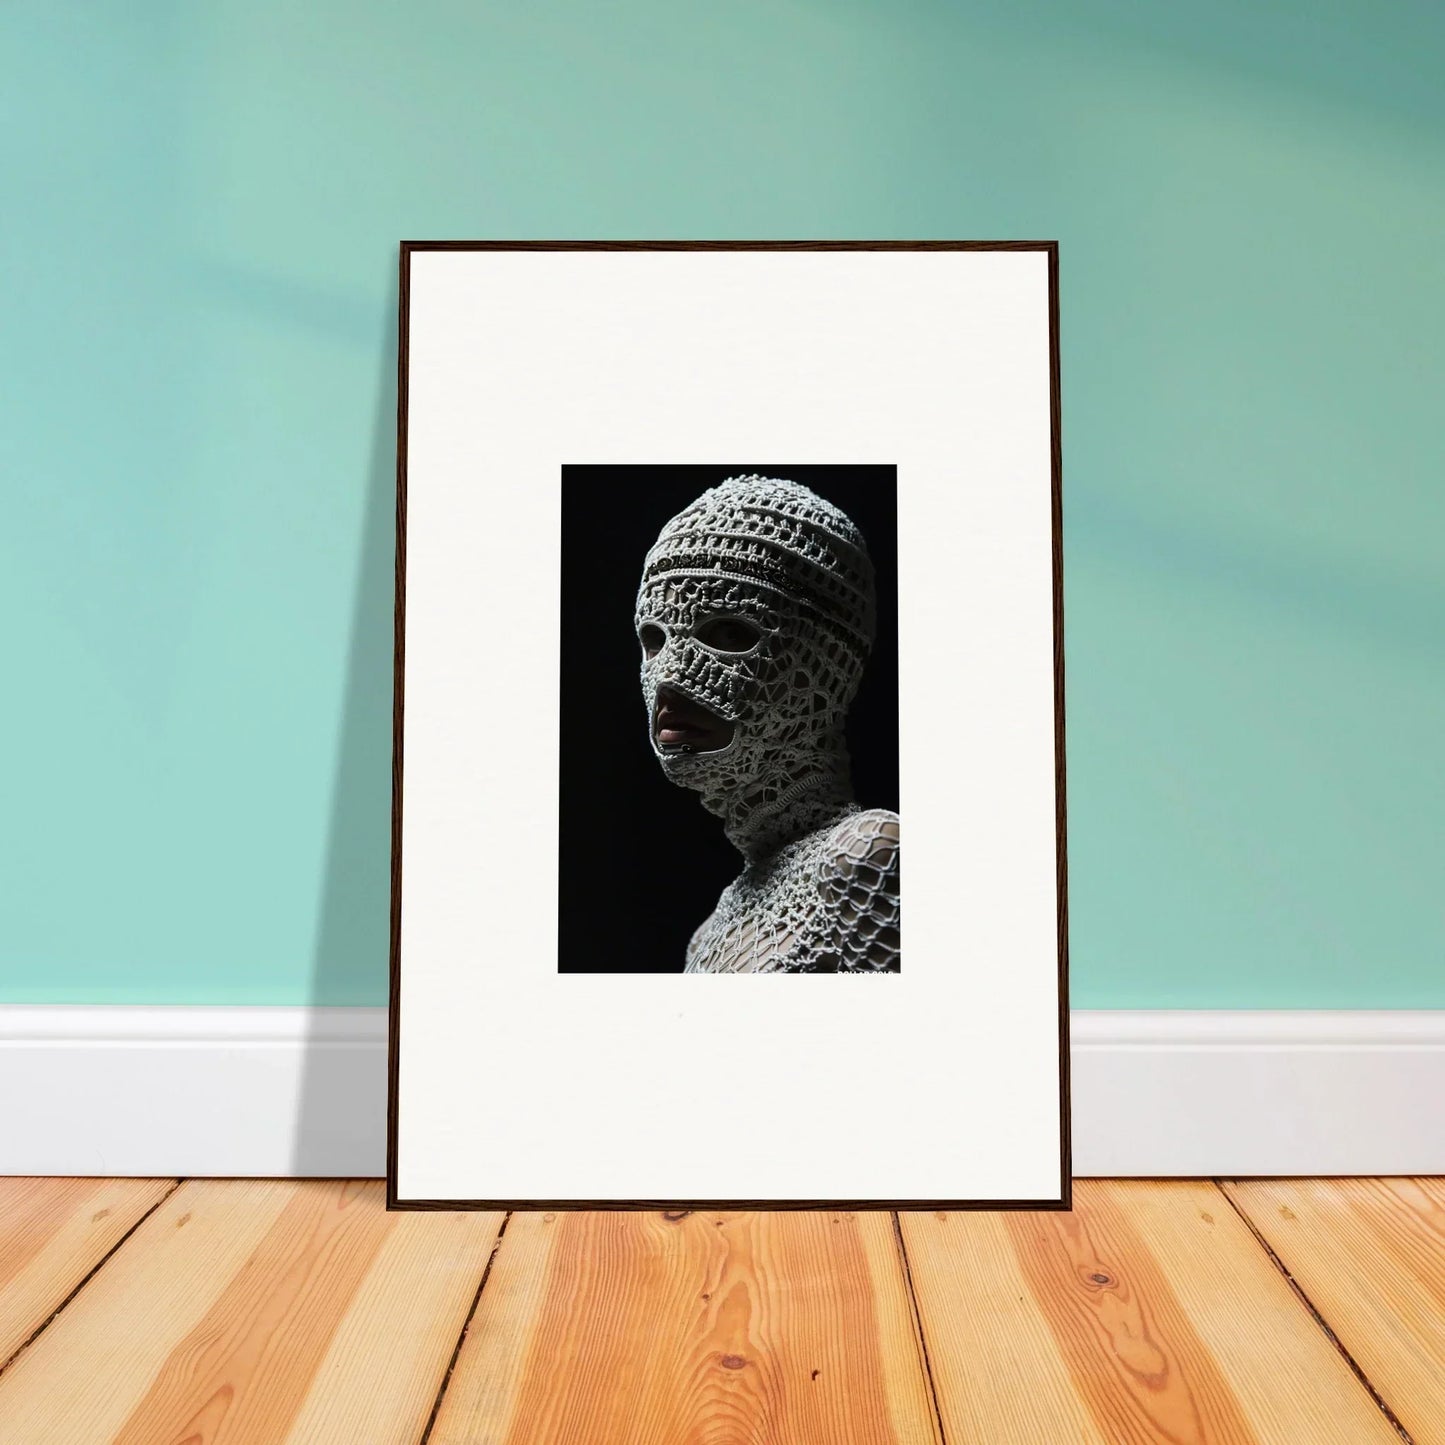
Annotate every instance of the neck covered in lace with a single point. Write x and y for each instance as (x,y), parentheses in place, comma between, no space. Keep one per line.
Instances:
(788,801)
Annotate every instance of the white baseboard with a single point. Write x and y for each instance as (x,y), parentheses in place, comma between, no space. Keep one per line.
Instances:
(299,1092)
(233,1092)
(1226,1093)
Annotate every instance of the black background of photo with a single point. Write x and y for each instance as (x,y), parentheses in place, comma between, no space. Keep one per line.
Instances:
(641,862)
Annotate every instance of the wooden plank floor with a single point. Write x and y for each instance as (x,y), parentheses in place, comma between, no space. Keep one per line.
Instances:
(265,1312)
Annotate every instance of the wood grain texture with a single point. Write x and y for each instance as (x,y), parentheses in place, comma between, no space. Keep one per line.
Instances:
(275,1313)
(248,1311)
(1370,1256)
(692,1328)
(53,1232)
(1148,1315)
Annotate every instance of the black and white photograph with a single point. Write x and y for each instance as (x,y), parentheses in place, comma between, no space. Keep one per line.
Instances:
(722,569)
(729,720)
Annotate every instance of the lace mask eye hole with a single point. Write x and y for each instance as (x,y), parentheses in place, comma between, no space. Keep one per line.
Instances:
(652,637)
(728,634)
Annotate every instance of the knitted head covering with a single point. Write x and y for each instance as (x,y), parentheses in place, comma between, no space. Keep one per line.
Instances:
(774,555)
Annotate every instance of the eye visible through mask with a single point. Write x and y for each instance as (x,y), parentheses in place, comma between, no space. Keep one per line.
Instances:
(733,635)
(728,634)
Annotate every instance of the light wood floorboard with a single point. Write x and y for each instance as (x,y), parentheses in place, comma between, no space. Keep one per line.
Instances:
(53,1232)
(271,1312)
(256,1310)
(660,1329)
(1147,1316)
(1370,1256)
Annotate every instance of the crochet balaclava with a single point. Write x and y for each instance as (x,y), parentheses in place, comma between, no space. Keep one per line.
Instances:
(775,555)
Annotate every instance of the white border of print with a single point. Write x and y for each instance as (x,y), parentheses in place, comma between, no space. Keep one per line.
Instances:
(516,1083)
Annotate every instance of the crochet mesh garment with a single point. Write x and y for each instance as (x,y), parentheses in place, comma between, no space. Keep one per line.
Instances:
(819,889)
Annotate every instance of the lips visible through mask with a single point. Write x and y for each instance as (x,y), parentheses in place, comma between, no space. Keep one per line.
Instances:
(678,722)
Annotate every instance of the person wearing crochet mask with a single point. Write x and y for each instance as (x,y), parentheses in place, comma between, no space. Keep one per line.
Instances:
(756,616)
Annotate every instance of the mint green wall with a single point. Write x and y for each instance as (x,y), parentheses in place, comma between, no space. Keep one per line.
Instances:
(201,209)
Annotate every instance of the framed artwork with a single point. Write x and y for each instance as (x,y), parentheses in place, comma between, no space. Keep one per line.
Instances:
(724,568)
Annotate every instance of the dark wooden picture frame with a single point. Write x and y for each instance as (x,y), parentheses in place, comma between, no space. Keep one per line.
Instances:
(1063,1201)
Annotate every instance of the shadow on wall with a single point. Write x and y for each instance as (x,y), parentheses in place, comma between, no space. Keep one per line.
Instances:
(341,1116)
(1387,612)
(1330,55)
